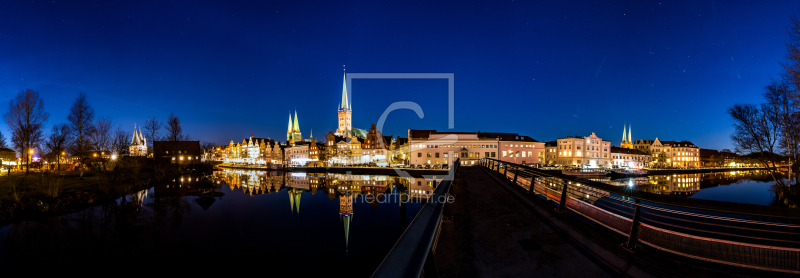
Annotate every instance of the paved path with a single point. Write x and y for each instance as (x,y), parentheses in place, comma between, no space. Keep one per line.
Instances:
(493,235)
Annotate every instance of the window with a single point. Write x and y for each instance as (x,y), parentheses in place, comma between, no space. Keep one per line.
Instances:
(419,154)
(437,155)
(429,154)
(487,154)
(504,154)
(493,154)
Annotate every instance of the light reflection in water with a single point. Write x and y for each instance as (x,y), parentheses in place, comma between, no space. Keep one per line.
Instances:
(233,212)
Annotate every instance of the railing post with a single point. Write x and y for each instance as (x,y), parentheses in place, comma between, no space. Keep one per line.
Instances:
(562,205)
(633,237)
(516,171)
(533,183)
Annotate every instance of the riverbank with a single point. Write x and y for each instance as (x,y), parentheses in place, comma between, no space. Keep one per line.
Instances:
(350,170)
(44,194)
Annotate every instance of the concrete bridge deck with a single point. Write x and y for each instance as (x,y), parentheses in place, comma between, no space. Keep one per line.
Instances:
(495,229)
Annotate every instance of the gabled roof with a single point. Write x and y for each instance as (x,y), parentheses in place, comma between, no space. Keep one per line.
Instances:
(401,141)
(420,133)
(553,143)
(6,150)
(627,151)
(684,143)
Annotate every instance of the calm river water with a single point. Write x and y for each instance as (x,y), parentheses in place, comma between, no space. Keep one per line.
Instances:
(309,224)
(751,187)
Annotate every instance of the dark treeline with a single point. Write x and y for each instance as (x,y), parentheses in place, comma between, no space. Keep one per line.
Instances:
(79,138)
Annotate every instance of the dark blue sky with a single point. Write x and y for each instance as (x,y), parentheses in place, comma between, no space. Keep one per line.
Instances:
(547,70)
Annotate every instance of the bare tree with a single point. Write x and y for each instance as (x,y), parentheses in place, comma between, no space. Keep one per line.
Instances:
(3,141)
(207,145)
(25,118)
(152,129)
(757,130)
(101,138)
(121,142)
(57,142)
(174,129)
(80,118)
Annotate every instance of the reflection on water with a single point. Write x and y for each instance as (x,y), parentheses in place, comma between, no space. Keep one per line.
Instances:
(754,187)
(228,216)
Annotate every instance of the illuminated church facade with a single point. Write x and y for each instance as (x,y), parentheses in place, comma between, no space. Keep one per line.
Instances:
(138,145)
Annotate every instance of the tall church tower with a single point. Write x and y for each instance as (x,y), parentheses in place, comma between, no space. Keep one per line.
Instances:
(627,140)
(345,112)
(293,134)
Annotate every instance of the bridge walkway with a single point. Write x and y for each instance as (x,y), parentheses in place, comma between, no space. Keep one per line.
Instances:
(491,234)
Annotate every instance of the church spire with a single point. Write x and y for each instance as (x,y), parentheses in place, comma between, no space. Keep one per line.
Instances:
(624,140)
(135,136)
(141,135)
(630,138)
(296,125)
(344,105)
(290,124)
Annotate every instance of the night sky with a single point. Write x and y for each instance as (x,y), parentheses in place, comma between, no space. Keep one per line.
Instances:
(546,70)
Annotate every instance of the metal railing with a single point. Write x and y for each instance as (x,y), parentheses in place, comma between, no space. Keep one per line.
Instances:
(745,235)
(413,252)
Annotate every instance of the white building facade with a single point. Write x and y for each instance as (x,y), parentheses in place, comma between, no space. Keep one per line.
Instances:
(586,152)
(429,147)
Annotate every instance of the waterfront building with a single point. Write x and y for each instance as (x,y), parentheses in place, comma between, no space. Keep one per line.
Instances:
(430,147)
(550,153)
(297,154)
(398,150)
(589,151)
(643,145)
(630,158)
(374,148)
(138,145)
(316,153)
(178,151)
(8,156)
(354,152)
(518,149)
(257,151)
(683,154)
(627,141)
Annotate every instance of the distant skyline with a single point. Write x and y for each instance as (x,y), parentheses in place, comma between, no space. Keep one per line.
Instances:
(546,70)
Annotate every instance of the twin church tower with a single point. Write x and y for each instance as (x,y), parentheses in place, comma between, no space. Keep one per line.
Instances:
(293,134)
(627,142)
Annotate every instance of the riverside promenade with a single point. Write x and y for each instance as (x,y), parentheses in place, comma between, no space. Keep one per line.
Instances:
(496,229)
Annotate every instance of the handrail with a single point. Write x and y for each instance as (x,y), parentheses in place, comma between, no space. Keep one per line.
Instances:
(709,205)
(410,253)
(773,248)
